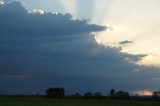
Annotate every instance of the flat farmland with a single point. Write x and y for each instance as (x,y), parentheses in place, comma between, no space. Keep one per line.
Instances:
(41,101)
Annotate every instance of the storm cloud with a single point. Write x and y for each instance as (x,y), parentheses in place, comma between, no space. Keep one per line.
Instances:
(38,51)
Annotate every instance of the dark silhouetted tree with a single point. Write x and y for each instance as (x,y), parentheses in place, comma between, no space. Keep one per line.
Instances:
(112,92)
(136,95)
(76,95)
(122,95)
(97,95)
(156,95)
(88,95)
(55,92)
(37,93)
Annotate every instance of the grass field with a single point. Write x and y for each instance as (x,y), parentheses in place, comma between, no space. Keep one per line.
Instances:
(40,101)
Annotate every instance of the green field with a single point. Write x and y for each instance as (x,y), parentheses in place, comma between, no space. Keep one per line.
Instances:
(32,101)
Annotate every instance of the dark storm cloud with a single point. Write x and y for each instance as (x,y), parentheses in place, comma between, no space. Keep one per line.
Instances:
(48,23)
(125,42)
(43,50)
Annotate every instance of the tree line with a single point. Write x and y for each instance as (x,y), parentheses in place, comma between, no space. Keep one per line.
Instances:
(60,93)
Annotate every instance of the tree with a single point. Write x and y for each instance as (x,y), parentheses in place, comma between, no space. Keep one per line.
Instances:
(88,95)
(76,95)
(55,92)
(112,92)
(98,95)
(156,95)
(122,95)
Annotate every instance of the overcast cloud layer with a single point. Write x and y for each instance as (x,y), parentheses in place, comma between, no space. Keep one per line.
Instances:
(38,51)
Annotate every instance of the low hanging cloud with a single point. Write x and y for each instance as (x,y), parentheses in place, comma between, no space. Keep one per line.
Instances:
(44,50)
(125,42)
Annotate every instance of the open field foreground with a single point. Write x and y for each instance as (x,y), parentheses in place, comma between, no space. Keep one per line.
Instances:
(40,101)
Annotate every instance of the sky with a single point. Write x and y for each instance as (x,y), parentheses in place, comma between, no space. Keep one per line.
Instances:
(92,45)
